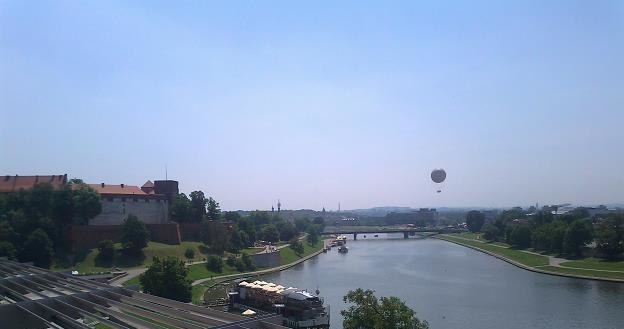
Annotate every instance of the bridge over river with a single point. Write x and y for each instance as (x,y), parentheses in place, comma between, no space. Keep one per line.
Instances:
(407,231)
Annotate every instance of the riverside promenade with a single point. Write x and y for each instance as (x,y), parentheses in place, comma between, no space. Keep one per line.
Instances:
(553,264)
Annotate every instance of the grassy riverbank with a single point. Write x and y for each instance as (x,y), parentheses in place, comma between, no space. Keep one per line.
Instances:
(586,268)
(199,271)
(519,256)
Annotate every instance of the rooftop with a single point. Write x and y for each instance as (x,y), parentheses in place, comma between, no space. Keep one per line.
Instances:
(39,299)
(103,188)
(15,183)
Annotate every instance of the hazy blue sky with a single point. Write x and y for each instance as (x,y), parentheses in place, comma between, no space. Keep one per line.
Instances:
(320,102)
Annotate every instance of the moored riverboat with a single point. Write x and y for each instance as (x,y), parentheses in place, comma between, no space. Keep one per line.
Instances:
(298,308)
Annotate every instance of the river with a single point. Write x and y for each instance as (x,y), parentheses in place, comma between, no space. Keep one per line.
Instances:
(456,287)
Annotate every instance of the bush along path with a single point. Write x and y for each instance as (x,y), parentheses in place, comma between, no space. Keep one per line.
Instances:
(536,262)
(132,275)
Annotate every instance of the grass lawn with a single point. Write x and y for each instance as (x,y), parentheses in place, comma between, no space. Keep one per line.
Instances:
(596,264)
(289,256)
(470,235)
(90,263)
(611,275)
(132,281)
(197,293)
(516,255)
(251,251)
(199,271)
(102,326)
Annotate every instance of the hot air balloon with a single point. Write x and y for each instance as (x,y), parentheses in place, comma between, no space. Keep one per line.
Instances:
(438,176)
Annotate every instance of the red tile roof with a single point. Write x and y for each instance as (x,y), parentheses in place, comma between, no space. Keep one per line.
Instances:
(148,184)
(16,183)
(117,189)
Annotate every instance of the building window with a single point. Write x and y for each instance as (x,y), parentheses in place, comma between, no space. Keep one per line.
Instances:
(135,199)
(110,199)
(123,199)
(146,200)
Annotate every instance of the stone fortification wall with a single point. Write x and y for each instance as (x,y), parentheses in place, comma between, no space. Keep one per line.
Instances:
(87,237)
(148,209)
(267,259)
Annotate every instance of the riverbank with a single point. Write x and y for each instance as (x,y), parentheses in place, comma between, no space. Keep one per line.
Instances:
(208,282)
(535,262)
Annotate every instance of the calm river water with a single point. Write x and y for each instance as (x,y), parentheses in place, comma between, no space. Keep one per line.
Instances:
(456,287)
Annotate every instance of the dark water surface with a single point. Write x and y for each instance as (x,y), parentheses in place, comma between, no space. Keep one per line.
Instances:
(456,287)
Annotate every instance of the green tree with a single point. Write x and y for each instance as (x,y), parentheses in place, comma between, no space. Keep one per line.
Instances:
(520,236)
(38,249)
(239,265)
(180,210)
(302,224)
(134,235)
(87,204)
(248,262)
(369,312)
(286,231)
(106,250)
(167,278)
(490,232)
(319,222)
(236,241)
(270,233)
(214,211)
(189,253)
(198,206)
(214,264)
(313,235)
(7,250)
(475,220)
(577,235)
(231,261)
(215,236)
(231,216)
(609,237)
(296,246)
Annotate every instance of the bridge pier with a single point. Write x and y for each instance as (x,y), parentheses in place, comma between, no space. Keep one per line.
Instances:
(354,236)
(405,235)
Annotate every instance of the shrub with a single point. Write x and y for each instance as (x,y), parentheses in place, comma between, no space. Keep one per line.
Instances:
(214,264)
(189,253)
(106,250)
(231,261)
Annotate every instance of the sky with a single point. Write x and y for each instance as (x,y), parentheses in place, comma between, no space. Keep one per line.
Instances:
(320,102)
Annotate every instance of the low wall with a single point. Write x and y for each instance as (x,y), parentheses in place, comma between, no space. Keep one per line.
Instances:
(267,259)
(87,237)
(190,231)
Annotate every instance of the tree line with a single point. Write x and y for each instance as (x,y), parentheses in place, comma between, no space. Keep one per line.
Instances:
(229,231)
(33,223)
(567,234)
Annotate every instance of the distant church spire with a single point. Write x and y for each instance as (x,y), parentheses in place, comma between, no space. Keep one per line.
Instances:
(279,205)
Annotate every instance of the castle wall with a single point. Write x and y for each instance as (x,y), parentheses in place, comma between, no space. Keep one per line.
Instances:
(116,209)
(87,237)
